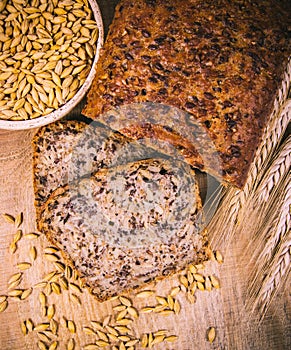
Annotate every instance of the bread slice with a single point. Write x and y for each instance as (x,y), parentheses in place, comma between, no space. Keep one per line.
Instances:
(219,62)
(67,150)
(127,225)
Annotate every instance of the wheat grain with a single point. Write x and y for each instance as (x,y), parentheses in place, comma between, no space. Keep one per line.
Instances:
(43,35)
(211,334)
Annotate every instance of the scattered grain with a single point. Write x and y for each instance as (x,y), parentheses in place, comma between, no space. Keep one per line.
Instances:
(211,334)
(41,345)
(56,288)
(162,300)
(218,257)
(17,236)
(15,293)
(121,315)
(43,337)
(33,253)
(15,277)
(54,326)
(41,327)
(91,347)
(19,217)
(3,305)
(158,339)
(71,344)
(132,311)
(75,288)
(171,338)
(24,329)
(214,281)
(71,326)
(31,235)
(89,331)
(75,299)
(125,301)
(102,336)
(51,312)
(29,325)
(144,340)
(175,291)
(26,293)
(53,345)
(102,343)
(147,309)
(10,219)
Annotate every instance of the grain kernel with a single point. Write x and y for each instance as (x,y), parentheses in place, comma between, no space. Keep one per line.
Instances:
(211,334)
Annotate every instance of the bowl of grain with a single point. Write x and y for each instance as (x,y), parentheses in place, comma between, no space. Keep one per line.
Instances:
(48,55)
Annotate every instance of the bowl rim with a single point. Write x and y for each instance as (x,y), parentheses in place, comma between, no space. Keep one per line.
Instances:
(68,106)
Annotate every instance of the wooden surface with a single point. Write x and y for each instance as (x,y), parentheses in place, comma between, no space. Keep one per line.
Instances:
(224,308)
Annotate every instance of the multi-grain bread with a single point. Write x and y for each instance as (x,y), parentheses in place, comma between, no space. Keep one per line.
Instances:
(219,61)
(127,225)
(67,150)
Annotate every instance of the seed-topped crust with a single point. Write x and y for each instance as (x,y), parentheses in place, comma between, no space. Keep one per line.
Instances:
(219,61)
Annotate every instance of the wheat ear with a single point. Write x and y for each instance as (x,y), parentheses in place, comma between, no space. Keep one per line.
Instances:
(279,270)
(280,168)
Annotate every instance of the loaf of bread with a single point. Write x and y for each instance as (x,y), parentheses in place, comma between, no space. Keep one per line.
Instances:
(220,63)
(125,226)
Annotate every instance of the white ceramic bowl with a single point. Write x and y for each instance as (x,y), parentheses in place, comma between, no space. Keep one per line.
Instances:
(67,107)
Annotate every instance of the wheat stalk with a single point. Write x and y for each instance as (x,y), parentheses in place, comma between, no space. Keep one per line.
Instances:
(279,269)
(271,230)
(272,135)
(280,168)
(281,227)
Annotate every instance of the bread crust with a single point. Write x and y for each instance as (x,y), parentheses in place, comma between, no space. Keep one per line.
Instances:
(221,61)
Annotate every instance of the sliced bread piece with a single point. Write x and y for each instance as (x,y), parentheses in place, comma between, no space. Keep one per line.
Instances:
(67,150)
(127,225)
